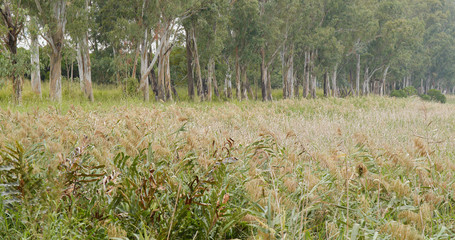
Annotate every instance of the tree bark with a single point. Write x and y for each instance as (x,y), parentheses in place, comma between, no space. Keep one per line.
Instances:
(189,64)
(210,73)
(144,65)
(55,38)
(244,83)
(357,78)
(85,69)
(200,86)
(35,68)
(263,76)
(14,28)
(334,81)
(326,86)
(237,75)
(167,76)
(228,82)
(383,81)
(136,57)
(306,75)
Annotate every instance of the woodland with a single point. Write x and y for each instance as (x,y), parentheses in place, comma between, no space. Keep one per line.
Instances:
(229,49)
(227,119)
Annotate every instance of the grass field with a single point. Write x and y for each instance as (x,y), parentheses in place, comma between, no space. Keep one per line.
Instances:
(354,168)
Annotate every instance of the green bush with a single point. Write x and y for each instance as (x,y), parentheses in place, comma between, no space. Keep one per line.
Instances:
(130,86)
(410,91)
(425,97)
(436,95)
(398,94)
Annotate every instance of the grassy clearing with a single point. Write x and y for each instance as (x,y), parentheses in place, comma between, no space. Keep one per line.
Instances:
(357,168)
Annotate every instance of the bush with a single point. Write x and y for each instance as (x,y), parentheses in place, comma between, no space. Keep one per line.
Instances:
(398,93)
(130,86)
(425,97)
(410,91)
(436,95)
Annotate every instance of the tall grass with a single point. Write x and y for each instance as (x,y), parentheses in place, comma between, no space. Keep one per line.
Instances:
(358,168)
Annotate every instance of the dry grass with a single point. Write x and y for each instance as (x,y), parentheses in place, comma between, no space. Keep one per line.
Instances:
(400,152)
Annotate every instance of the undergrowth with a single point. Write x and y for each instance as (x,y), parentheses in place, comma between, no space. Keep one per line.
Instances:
(360,168)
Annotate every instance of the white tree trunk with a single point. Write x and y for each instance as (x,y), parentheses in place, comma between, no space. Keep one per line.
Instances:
(35,68)
(144,65)
(384,77)
(84,65)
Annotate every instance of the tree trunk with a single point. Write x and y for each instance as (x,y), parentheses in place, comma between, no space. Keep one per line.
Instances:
(269,86)
(334,81)
(313,86)
(228,82)
(290,74)
(144,64)
(357,78)
(136,57)
(55,84)
(237,75)
(365,82)
(55,38)
(35,68)
(72,71)
(85,69)
(161,77)
(189,64)
(167,79)
(284,72)
(306,75)
(296,85)
(214,81)
(421,89)
(200,87)
(326,86)
(263,76)
(210,73)
(244,80)
(383,81)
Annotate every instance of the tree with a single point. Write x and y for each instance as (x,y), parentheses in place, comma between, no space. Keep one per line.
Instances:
(52,15)
(11,26)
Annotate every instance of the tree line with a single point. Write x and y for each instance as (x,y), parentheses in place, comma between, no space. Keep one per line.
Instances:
(216,48)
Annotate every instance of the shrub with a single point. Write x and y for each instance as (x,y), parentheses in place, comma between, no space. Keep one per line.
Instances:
(398,93)
(411,90)
(130,86)
(425,97)
(436,95)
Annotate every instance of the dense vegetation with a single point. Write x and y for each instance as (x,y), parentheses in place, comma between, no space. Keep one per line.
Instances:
(216,47)
(85,153)
(356,168)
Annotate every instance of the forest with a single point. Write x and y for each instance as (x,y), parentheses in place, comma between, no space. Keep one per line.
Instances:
(218,48)
(227,119)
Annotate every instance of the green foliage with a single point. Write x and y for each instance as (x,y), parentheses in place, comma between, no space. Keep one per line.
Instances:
(130,86)
(404,93)
(410,91)
(425,97)
(398,93)
(436,95)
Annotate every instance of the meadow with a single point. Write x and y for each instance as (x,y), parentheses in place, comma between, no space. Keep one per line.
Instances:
(331,168)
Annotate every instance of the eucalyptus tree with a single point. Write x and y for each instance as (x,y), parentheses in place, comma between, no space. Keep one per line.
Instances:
(244,41)
(35,74)
(211,31)
(12,24)
(79,16)
(168,17)
(51,15)
(270,42)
